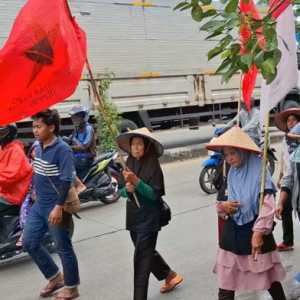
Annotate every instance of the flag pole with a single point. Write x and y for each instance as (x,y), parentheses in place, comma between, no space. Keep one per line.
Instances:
(101,107)
(112,128)
(264,161)
(240,99)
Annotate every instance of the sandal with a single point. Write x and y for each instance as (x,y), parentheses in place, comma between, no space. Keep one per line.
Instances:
(50,288)
(64,296)
(171,284)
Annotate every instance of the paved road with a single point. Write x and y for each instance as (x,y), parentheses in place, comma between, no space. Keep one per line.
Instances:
(105,251)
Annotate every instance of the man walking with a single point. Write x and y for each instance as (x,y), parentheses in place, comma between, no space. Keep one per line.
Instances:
(54,173)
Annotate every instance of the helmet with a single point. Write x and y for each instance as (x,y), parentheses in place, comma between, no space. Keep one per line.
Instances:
(79,115)
(8,133)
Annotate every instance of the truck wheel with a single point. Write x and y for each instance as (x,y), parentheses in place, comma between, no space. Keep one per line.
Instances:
(127,125)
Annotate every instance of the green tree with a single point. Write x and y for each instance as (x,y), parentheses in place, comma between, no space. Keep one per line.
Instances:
(105,136)
(224,23)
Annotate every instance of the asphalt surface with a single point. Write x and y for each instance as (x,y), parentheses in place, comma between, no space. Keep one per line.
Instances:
(105,251)
(185,143)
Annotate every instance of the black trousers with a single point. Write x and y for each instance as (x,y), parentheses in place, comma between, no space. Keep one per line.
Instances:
(146,260)
(276,291)
(287,222)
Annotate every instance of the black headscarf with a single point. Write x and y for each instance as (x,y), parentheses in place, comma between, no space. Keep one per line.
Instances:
(148,168)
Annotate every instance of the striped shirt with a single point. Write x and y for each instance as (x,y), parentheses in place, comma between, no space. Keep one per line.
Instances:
(53,166)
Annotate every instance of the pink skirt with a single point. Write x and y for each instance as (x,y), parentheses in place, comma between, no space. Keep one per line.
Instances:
(241,272)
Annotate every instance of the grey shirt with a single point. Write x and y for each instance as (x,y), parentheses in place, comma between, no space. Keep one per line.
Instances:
(249,122)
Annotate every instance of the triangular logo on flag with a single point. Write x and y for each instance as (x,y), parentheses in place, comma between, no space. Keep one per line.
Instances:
(42,60)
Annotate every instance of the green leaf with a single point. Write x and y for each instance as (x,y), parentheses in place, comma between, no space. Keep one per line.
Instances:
(226,53)
(212,25)
(271,77)
(226,40)
(220,47)
(277,56)
(195,2)
(259,58)
(268,68)
(209,13)
(255,24)
(231,6)
(214,52)
(214,34)
(228,74)
(271,37)
(197,13)
(247,60)
(235,48)
(223,65)
(180,5)
(233,20)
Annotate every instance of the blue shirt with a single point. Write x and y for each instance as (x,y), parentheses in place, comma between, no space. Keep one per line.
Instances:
(85,138)
(53,164)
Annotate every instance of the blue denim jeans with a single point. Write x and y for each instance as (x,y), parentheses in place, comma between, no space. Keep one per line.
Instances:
(35,229)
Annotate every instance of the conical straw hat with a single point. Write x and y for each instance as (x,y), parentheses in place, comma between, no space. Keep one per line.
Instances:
(123,140)
(280,119)
(235,138)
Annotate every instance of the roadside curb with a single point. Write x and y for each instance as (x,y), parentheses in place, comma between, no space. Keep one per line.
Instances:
(194,151)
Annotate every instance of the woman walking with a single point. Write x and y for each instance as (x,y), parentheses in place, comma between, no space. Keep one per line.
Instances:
(285,121)
(144,177)
(247,257)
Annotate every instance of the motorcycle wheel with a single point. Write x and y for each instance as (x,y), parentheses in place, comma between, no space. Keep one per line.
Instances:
(206,179)
(113,197)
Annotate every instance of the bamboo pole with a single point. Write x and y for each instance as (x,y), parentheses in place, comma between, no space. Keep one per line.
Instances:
(101,107)
(112,128)
(240,99)
(264,161)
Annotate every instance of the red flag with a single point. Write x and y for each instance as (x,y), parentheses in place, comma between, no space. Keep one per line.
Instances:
(278,6)
(248,79)
(42,60)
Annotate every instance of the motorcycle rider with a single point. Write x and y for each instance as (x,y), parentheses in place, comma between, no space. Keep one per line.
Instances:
(15,170)
(83,140)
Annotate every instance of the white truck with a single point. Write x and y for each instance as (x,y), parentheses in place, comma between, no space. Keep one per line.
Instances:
(158,57)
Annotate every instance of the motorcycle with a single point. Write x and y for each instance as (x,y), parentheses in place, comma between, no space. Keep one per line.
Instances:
(209,172)
(102,180)
(213,165)
(10,233)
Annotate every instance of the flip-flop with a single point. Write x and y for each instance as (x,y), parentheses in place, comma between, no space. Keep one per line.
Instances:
(49,289)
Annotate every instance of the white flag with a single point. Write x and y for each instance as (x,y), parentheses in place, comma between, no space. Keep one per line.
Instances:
(287,69)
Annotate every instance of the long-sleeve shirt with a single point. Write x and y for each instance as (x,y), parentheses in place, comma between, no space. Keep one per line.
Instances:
(249,122)
(144,193)
(54,171)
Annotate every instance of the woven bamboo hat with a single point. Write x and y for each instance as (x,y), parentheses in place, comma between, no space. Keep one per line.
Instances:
(123,140)
(235,138)
(280,119)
